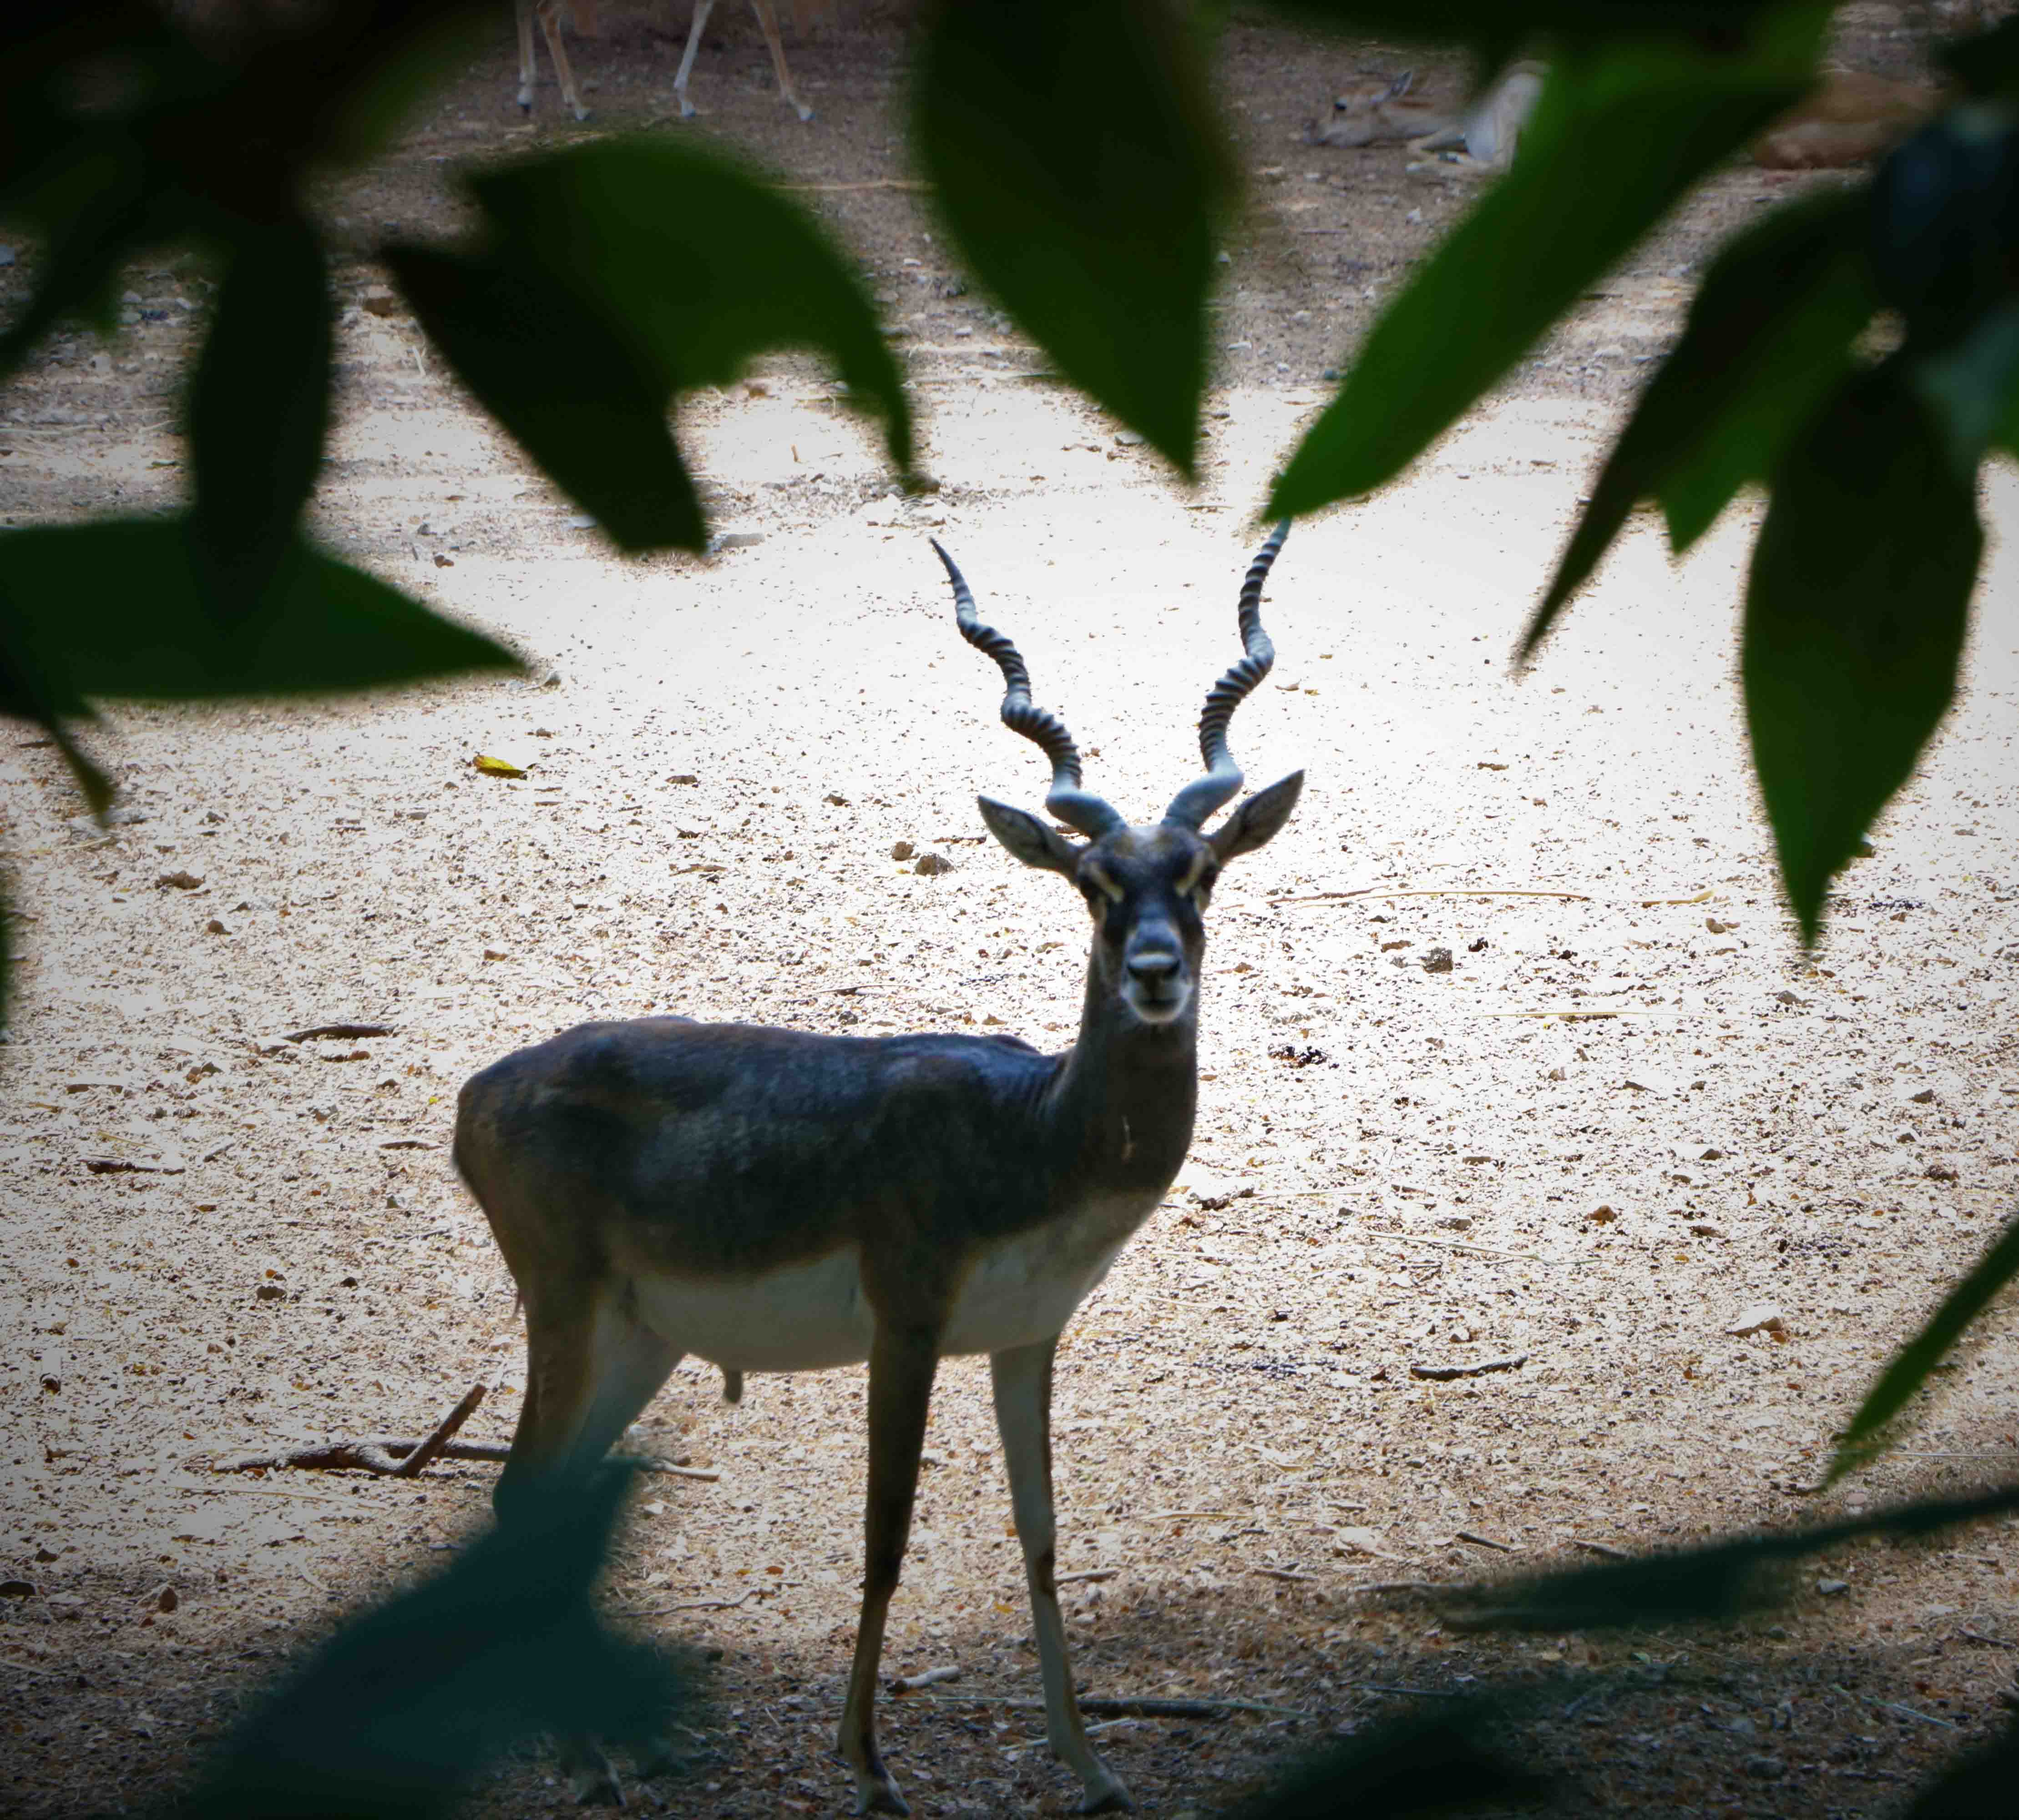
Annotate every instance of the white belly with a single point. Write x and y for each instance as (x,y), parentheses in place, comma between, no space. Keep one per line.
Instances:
(1022,1291)
(804,1318)
(809,1317)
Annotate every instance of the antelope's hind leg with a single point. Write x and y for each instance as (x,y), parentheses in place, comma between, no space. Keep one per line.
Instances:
(591,1367)
(1021,1379)
(901,1368)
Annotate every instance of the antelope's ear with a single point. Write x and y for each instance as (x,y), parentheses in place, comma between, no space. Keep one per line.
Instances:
(1255,822)
(1035,843)
(1400,85)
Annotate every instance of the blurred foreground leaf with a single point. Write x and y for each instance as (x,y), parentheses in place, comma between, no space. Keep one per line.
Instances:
(1440,1763)
(258,406)
(1083,175)
(1721,1580)
(1855,612)
(1567,21)
(615,276)
(1619,135)
(123,126)
(400,1712)
(1909,1368)
(155,633)
(1978,1786)
(1768,338)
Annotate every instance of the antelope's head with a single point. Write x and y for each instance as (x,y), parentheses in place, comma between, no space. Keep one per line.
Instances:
(1147,886)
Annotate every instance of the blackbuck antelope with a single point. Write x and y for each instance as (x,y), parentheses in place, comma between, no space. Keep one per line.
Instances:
(547,12)
(777,1201)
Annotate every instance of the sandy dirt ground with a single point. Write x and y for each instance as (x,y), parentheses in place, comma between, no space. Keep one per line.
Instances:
(1630,1117)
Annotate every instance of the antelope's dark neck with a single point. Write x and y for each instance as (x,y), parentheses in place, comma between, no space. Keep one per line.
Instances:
(1126,1099)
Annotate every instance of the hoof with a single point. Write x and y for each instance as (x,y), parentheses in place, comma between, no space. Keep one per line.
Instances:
(590,1778)
(805,112)
(881,1798)
(660,1758)
(1107,1795)
(581,114)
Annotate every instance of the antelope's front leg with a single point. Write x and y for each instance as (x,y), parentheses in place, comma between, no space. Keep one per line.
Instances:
(901,1365)
(1022,1380)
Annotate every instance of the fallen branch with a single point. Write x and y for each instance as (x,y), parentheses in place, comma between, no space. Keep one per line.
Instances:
(1895,1706)
(1408,1238)
(443,1433)
(385,1454)
(697,1605)
(929,1677)
(389,1457)
(1425,1589)
(339,1032)
(1485,1542)
(1120,1706)
(1604,1548)
(1445,891)
(1280,1573)
(1086,1574)
(1443,1374)
(1978,1637)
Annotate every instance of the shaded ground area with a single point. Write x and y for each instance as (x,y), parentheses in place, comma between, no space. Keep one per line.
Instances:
(1629,1114)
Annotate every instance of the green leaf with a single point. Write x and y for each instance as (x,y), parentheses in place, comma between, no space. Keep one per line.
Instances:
(1720,1580)
(619,274)
(31,690)
(1972,387)
(86,246)
(1441,1763)
(1909,1367)
(1618,137)
(396,1718)
(258,406)
(1942,222)
(123,608)
(1571,21)
(1987,63)
(1768,337)
(1080,172)
(1855,612)
(1977,1786)
(570,388)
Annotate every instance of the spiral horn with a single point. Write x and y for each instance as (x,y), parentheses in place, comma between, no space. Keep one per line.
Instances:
(1075,807)
(1222,781)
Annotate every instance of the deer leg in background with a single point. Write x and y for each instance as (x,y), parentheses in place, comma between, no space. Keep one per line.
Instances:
(702,9)
(550,24)
(901,1367)
(1022,1381)
(526,55)
(767,18)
